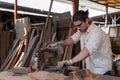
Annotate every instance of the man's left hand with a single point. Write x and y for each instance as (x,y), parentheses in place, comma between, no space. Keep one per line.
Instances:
(60,64)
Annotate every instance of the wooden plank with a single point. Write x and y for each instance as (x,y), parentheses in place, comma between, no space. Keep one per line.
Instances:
(9,55)
(3,47)
(53,38)
(54,30)
(44,37)
(13,56)
(39,43)
(47,22)
(48,35)
(30,39)
(8,37)
(16,57)
(44,30)
(26,40)
(19,62)
(29,50)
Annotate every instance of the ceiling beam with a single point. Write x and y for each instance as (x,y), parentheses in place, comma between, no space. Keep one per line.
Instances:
(89,4)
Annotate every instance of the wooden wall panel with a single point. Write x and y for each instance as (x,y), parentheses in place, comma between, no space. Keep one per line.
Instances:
(4,45)
(114,31)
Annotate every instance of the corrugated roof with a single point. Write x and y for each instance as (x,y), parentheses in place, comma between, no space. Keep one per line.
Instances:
(5,6)
(110,3)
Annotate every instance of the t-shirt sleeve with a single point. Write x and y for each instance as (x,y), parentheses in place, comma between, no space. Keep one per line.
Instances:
(76,37)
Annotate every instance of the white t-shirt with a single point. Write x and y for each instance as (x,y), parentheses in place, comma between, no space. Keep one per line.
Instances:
(99,47)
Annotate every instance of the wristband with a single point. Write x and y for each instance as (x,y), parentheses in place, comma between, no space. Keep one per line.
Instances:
(69,62)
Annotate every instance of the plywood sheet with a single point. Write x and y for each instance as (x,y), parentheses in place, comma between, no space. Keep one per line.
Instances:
(22,27)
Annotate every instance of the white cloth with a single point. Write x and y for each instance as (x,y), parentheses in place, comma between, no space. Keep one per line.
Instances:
(99,47)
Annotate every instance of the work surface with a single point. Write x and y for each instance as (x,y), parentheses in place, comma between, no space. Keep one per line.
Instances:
(43,75)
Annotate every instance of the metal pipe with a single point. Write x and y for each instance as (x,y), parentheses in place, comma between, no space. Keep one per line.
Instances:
(15,11)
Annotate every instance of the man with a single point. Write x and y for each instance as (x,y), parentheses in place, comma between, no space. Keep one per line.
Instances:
(95,45)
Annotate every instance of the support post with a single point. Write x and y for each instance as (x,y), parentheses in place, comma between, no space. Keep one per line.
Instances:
(75,6)
(15,11)
(106,17)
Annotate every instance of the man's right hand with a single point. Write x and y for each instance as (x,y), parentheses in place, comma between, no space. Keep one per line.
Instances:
(62,63)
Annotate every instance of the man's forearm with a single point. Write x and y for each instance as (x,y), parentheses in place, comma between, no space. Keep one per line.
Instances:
(82,55)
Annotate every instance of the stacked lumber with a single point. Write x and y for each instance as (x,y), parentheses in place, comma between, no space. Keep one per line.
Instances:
(23,46)
(28,41)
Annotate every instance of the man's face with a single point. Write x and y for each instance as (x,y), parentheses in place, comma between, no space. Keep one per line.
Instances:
(80,25)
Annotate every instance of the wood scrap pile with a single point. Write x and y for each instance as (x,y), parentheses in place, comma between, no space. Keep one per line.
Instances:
(30,39)
(23,46)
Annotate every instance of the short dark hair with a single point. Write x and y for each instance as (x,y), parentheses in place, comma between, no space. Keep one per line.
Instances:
(80,15)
